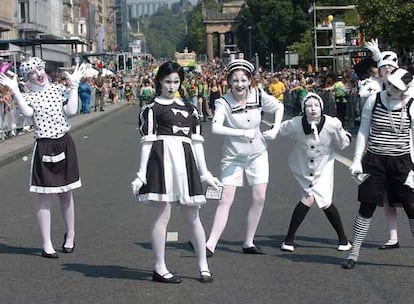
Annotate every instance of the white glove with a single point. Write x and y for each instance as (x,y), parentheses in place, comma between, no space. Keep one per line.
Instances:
(11,83)
(136,184)
(211,180)
(76,76)
(269,134)
(249,134)
(356,167)
(373,47)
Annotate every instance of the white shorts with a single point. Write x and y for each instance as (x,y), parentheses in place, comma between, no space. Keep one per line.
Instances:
(256,167)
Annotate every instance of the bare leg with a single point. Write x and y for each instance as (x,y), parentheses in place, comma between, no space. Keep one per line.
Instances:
(221,216)
(255,212)
(67,208)
(44,220)
(162,214)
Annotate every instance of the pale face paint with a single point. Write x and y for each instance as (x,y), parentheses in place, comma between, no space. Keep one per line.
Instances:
(385,71)
(393,92)
(170,85)
(313,109)
(240,84)
(38,79)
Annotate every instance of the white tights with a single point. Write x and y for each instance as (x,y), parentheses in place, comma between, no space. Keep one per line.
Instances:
(391,219)
(223,209)
(44,218)
(162,214)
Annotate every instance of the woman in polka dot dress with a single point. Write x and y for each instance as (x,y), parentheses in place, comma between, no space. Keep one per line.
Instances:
(54,166)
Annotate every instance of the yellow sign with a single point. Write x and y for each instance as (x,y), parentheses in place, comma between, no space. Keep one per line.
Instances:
(186,59)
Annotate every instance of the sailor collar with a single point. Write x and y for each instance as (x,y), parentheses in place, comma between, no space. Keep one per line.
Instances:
(167,102)
(251,102)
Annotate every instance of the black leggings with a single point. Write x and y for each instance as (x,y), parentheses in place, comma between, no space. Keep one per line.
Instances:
(367,210)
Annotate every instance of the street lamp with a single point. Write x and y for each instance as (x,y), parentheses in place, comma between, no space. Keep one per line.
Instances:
(250,42)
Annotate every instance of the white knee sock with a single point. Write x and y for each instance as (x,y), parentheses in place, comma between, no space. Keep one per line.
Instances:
(221,216)
(191,214)
(44,220)
(67,208)
(158,235)
(391,219)
(254,214)
(360,230)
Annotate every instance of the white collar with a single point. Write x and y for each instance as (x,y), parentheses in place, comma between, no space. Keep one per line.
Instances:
(166,102)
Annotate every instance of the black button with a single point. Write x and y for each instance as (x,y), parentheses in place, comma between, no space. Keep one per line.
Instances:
(312,147)
(311,174)
(251,141)
(248,120)
(310,185)
(311,160)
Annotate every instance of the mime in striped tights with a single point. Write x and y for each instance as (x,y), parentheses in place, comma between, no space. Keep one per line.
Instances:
(386,122)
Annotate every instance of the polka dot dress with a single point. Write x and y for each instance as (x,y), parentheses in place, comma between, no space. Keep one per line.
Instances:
(49,118)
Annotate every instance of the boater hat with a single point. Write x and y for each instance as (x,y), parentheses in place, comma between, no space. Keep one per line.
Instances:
(401,79)
(240,64)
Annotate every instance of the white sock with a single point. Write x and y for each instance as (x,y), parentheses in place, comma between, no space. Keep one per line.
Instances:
(254,214)
(221,216)
(44,220)
(391,219)
(162,212)
(67,208)
(191,214)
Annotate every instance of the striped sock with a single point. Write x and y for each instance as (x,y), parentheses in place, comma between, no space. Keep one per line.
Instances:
(359,231)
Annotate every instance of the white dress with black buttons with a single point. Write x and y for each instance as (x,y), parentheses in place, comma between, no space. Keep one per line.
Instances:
(312,161)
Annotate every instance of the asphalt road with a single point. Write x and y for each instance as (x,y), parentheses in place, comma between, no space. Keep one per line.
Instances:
(112,262)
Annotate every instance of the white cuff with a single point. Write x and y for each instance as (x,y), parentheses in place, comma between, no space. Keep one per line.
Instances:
(142,177)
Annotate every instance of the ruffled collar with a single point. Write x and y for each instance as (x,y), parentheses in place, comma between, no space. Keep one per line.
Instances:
(307,127)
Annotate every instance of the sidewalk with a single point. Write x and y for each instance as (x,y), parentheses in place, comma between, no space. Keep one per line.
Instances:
(18,146)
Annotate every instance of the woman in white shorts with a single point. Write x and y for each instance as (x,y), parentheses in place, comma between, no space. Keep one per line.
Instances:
(237,116)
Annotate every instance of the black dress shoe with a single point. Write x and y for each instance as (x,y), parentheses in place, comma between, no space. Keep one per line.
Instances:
(253,250)
(386,246)
(162,279)
(49,255)
(349,264)
(206,276)
(67,249)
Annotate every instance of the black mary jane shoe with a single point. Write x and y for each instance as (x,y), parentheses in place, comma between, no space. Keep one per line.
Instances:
(253,250)
(349,264)
(162,279)
(386,246)
(67,249)
(49,255)
(205,276)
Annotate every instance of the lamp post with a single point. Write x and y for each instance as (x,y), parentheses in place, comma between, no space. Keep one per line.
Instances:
(250,42)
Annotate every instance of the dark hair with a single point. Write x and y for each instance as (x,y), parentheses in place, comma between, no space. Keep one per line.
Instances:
(166,69)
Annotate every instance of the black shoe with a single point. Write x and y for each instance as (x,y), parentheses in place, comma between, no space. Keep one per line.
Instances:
(349,264)
(162,279)
(209,253)
(206,276)
(49,255)
(386,246)
(67,249)
(253,250)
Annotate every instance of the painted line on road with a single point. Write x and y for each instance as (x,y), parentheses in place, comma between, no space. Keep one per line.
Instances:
(340,158)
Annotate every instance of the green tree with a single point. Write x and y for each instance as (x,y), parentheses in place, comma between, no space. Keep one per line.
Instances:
(391,21)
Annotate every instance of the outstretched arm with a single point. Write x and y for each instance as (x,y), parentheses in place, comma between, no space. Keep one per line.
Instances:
(13,85)
(72,106)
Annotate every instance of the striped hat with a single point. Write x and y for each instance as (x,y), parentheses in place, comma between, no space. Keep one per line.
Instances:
(388,58)
(240,64)
(31,64)
(401,79)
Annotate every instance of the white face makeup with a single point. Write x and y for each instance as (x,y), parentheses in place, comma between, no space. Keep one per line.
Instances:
(393,92)
(313,109)
(170,85)
(239,83)
(385,71)
(38,76)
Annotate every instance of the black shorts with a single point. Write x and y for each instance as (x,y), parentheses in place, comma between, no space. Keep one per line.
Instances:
(388,175)
(54,166)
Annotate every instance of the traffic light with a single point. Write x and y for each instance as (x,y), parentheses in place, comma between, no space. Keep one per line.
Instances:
(121,62)
(129,63)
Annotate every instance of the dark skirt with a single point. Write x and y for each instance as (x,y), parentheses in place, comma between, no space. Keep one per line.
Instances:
(386,183)
(54,166)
